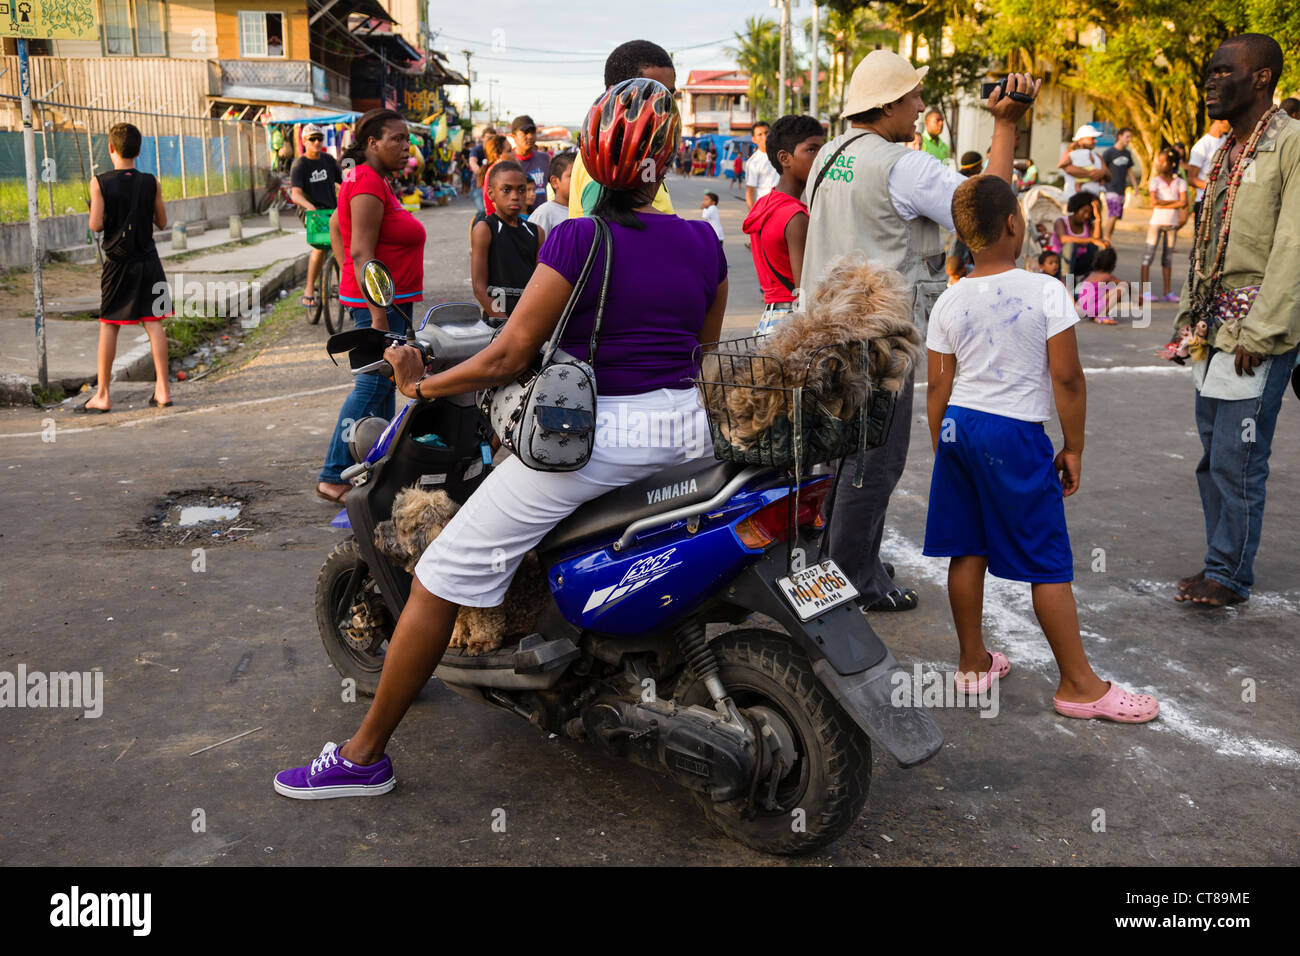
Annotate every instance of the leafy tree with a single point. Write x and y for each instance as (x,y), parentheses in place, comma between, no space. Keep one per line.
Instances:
(758,53)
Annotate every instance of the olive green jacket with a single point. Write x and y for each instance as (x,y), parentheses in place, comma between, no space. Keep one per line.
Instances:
(1263,245)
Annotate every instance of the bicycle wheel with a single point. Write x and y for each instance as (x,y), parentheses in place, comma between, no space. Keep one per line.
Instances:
(314,312)
(264,203)
(333,310)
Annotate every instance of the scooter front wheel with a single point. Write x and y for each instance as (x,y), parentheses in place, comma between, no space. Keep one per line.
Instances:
(818,798)
(354,623)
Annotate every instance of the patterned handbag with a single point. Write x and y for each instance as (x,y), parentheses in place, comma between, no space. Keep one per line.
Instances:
(548,418)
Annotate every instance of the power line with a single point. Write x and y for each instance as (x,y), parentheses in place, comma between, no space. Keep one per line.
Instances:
(581,53)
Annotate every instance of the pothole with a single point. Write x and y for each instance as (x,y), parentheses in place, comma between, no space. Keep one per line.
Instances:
(201,515)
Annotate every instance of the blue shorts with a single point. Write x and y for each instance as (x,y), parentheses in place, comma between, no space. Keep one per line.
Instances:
(995,493)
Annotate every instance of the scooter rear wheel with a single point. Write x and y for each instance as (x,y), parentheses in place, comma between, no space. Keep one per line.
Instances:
(355,633)
(820,797)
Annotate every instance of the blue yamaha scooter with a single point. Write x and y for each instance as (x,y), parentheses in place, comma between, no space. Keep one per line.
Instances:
(695,627)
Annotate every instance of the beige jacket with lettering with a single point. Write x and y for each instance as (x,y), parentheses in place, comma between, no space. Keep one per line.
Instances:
(1263,245)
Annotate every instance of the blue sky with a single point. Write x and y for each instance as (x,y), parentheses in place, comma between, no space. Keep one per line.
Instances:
(548,57)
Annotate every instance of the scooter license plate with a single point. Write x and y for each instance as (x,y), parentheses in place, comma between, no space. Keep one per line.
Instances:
(817,589)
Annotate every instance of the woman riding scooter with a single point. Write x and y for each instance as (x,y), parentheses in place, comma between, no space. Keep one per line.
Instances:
(667,295)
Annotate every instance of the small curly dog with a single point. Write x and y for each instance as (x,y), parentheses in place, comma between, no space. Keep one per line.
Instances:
(418,517)
(856,302)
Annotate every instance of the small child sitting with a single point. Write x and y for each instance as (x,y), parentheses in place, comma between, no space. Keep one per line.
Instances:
(1001,343)
(1100,292)
(1049,263)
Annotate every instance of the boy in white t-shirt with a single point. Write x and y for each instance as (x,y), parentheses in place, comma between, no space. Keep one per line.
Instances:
(1001,342)
(1168,206)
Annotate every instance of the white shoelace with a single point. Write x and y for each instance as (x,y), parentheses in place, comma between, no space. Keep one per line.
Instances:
(329,756)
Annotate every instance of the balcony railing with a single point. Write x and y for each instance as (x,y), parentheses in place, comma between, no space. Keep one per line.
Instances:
(300,80)
(292,75)
(713,117)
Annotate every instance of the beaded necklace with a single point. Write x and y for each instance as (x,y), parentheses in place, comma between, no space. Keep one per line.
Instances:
(1211,183)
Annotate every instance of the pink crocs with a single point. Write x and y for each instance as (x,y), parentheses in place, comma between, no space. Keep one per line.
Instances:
(998,669)
(1116,704)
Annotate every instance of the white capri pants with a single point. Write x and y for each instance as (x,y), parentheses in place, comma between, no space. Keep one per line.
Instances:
(473,560)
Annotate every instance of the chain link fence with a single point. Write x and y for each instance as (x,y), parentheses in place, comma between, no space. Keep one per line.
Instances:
(191,156)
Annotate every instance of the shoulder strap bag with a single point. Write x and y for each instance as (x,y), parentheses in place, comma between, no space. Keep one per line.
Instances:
(548,419)
(121,244)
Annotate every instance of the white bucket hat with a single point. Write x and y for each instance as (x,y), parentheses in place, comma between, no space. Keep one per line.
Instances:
(882,77)
(1086,132)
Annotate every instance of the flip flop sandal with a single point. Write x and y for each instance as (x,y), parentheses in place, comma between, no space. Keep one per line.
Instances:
(83,410)
(1107,320)
(309,301)
(332,499)
(998,669)
(157,404)
(1116,704)
(899,599)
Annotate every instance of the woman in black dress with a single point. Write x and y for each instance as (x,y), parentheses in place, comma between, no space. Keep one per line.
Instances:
(126,204)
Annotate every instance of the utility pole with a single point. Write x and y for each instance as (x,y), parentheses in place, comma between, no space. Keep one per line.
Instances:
(785,35)
(33,212)
(812,79)
(469,87)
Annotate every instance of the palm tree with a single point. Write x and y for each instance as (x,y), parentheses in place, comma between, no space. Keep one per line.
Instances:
(758,53)
(849,35)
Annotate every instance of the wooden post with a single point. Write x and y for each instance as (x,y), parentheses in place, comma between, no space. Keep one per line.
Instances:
(180,139)
(225,183)
(206,128)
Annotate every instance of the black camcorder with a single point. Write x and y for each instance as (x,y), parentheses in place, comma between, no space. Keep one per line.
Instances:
(986,90)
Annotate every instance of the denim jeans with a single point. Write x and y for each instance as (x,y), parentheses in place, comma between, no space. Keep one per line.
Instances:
(370,395)
(1236,438)
(477,192)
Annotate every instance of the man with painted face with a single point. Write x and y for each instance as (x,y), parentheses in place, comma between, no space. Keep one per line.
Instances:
(1244,284)
(870,193)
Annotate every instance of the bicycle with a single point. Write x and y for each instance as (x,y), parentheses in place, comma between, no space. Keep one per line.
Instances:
(277,194)
(327,304)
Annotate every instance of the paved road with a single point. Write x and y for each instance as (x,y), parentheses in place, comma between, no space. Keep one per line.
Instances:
(191,658)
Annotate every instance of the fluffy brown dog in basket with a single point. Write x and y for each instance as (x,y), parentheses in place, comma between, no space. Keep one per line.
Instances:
(855,302)
(418,517)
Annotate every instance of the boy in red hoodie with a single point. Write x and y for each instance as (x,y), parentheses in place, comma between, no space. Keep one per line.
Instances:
(778,223)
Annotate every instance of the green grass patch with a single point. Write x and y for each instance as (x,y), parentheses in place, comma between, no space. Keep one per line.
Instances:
(73,196)
(185,333)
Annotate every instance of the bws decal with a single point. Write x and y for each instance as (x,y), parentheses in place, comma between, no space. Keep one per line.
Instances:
(642,572)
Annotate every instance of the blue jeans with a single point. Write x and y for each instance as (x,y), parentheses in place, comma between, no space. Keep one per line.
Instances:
(478,198)
(1236,438)
(371,395)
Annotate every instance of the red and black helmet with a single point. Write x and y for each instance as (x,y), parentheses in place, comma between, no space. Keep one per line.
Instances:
(634,127)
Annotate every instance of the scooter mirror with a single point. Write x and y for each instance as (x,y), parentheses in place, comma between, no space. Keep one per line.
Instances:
(377,284)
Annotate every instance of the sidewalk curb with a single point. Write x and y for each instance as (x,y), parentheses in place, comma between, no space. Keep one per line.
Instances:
(137,365)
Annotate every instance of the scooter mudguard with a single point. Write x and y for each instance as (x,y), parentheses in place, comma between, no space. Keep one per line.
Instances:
(852,663)
(905,730)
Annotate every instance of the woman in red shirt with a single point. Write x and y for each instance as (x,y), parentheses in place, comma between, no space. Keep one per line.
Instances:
(372,224)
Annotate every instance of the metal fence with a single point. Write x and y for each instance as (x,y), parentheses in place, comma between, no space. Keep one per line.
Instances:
(191,156)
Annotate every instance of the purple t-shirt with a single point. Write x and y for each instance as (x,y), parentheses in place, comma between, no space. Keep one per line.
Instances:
(664,280)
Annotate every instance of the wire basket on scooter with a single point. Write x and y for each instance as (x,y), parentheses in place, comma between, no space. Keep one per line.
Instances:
(765,410)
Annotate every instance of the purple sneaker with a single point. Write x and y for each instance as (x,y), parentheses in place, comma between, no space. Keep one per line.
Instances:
(329,775)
